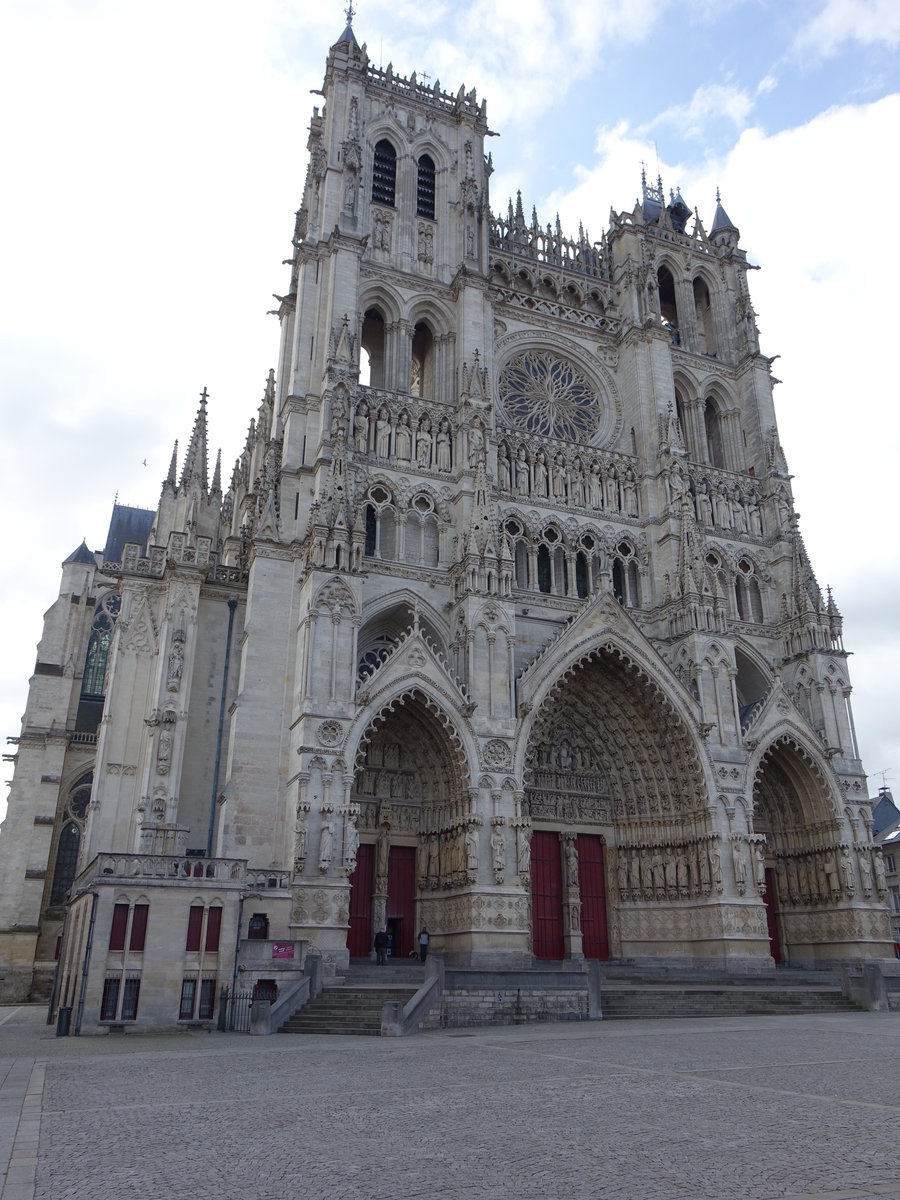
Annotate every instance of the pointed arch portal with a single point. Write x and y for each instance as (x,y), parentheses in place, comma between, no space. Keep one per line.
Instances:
(809,866)
(411,787)
(611,770)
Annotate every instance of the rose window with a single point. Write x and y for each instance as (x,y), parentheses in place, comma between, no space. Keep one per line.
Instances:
(547,395)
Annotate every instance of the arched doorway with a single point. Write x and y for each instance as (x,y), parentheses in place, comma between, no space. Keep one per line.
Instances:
(809,864)
(620,818)
(415,822)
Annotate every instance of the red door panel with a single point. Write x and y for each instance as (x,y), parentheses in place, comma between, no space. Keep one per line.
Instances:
(592,884)
(771,899)
(359,935)
(546,896)
(401,902)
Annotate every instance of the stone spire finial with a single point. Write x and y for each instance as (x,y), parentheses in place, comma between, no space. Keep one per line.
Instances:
(195,462)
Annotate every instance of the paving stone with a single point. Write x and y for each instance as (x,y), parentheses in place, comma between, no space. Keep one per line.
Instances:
(778,1108)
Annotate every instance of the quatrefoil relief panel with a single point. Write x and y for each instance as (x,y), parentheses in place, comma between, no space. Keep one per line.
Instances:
(550,396)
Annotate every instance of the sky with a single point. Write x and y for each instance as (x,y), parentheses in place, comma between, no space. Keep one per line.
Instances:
(155,156)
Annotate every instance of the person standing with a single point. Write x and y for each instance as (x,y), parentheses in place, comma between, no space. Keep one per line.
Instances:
(424,939)
(381,945)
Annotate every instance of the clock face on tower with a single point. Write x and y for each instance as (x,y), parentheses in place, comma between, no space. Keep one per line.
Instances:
(548,395)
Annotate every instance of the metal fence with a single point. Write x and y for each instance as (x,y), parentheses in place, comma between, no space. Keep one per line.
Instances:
(234,1011)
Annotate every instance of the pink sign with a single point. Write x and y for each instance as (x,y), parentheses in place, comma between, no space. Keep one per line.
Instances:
(282,949)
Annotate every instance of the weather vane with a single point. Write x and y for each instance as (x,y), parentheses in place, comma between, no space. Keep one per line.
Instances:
(349,11)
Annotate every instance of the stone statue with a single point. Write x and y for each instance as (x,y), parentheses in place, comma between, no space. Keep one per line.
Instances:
(523,866)
(522,480)
(471,848)
(540,475)
(577,484)
(847,871)
(423,443)
(759,859)
(326,845)
(865,869)
(176,665)
(164,752)
(361,431)
(503,470)
(740,867)
(595,487)
(443,446)
(715,860)
(383,435)
(559,479)
(476,445)
(498,850)
(300,846)
(571,854)
(351,845)
(878,863)
(403,440)
(703,865)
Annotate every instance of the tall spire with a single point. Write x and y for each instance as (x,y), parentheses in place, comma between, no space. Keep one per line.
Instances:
(195,464)
(217,474)
(172,476)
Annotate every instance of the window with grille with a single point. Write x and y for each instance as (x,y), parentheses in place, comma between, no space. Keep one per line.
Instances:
(110,1001)
(384,173)
(425,187)
(130,994)
(188,992)
(206,1008)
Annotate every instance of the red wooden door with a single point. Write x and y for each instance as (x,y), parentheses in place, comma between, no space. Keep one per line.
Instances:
(546,896)
(771,899)
(592,884)
(401,901)
(359,935)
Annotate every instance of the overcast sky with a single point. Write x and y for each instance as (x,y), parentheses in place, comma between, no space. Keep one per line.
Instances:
(155,155)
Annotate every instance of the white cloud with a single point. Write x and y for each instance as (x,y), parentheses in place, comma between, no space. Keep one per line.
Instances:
(710,102)
(869,22)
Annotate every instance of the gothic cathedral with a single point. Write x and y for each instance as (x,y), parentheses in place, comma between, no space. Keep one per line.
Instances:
(504,626)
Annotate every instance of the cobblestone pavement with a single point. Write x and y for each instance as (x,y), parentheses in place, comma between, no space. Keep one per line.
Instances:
(746,1108)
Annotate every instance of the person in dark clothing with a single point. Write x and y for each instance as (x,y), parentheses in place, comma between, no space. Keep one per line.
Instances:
(423,943)
(381,945)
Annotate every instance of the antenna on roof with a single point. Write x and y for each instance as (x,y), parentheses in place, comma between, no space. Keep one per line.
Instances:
(884,774)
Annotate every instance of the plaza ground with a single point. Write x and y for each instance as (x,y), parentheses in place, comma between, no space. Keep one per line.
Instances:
(748,1108)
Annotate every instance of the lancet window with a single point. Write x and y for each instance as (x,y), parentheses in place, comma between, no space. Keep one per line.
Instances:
(68,843)
(373,344)
(425,187)
(626,576)
(747,594)
(384,173)
(421,374)
(706,330)
(667,304)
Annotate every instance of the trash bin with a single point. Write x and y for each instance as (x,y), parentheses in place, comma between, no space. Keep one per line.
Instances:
(63,1020)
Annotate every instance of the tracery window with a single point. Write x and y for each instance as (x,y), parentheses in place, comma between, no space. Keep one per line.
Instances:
(548,395)
(105,614)
(425,187)
(68,843)
(747,594)
(384,173)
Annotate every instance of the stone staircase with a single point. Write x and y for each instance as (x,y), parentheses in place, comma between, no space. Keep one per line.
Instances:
(354,1006)
(788,992)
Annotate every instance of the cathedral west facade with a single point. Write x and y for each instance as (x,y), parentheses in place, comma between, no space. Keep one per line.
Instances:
(504,625)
